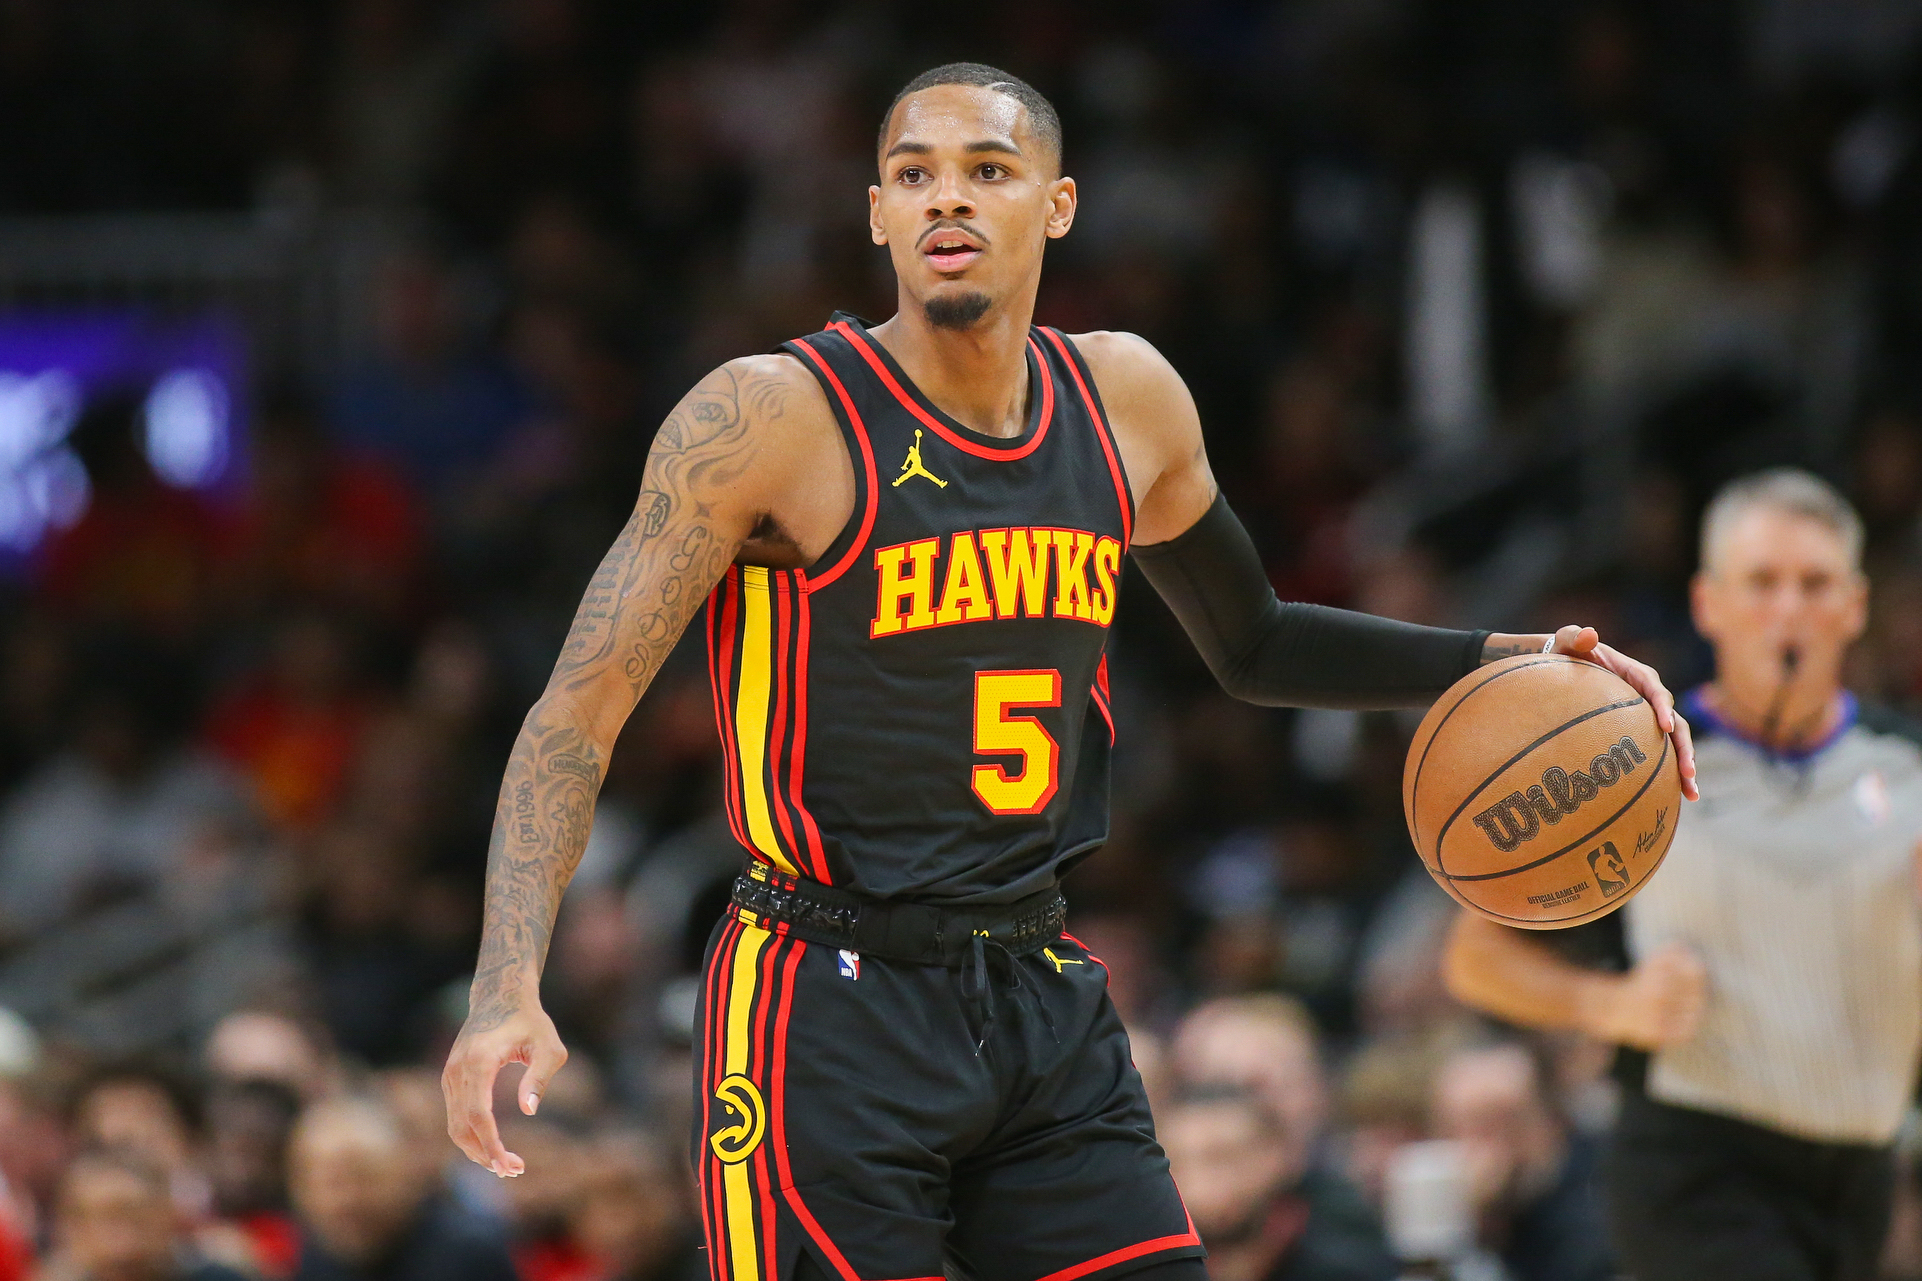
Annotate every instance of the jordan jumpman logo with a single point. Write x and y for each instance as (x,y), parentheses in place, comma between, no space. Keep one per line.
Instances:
(912,467)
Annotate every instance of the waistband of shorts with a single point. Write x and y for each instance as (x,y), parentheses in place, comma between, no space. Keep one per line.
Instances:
(916,933)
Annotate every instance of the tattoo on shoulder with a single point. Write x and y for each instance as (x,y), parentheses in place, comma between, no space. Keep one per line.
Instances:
(657,572)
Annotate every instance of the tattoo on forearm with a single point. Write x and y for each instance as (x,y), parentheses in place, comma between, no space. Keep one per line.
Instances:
(638,602)
(1498,647)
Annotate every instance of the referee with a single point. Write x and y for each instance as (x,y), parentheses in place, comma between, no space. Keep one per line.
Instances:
(1766,986)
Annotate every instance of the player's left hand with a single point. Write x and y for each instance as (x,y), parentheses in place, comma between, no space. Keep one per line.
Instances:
(1586,642)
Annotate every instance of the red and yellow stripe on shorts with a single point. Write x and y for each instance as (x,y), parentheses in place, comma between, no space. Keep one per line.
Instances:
(742,1164)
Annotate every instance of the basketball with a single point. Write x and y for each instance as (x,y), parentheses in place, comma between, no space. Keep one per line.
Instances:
(1540,792)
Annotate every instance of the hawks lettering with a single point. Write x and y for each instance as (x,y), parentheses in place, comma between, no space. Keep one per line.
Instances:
(978,576)
(1520,816)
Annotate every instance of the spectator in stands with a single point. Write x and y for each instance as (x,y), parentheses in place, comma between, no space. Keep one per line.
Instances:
(259,1045)
(110,816)
(293,727)
(142,1109)
(367,1212)
(1239,1176)
(36,662)
(631,1213)
(1266,1045)
(248,1123)
(19,1053)
(372,966)
(1532,1176)
(320,523)
(32,1146)
(412,1095)
(117,1221)
(426,400)
(539,1202)
(1384,1104)
(144,554)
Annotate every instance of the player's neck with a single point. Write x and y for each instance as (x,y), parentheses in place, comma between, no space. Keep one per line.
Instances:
(1786,721)
(978,375)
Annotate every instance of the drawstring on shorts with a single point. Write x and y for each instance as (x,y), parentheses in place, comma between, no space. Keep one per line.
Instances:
(977,987)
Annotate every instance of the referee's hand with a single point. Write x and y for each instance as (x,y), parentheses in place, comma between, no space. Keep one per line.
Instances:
(1585,642)
(1657,1004)
(484,1047)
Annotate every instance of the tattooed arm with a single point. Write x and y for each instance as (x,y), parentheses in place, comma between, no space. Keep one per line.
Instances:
(719,474)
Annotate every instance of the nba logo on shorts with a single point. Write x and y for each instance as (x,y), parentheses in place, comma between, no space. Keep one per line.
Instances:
(850,964)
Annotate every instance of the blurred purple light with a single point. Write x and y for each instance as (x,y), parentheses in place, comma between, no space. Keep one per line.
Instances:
(188,369)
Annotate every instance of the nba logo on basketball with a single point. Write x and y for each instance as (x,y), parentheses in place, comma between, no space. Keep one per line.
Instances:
(1611,874)
(850,964)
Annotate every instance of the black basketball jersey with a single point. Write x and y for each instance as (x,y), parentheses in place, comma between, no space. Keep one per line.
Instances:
(923,712)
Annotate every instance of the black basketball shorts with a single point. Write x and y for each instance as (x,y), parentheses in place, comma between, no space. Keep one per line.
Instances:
(842,1109)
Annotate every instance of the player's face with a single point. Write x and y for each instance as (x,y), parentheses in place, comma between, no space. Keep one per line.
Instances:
(1780,580)
(967,199)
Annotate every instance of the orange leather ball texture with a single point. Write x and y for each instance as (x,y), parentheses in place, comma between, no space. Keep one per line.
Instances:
(1540,793)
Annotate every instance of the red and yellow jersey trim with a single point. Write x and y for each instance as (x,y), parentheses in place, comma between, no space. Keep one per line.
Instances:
(757,640)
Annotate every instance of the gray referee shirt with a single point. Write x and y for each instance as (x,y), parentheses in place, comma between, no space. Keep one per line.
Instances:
(1793,878)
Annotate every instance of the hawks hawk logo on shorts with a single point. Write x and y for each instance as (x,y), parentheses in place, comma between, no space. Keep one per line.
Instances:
(743,1120)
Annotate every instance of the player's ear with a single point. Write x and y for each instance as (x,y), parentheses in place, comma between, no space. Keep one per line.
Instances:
(875,230)
(1061,202)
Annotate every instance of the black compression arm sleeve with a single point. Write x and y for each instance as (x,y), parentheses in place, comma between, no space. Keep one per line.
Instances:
(1294,655)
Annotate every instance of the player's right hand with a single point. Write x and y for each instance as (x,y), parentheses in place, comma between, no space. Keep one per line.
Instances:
(525,1035)
(1657,1004)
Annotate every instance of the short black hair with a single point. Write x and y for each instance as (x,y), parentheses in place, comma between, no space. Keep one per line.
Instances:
(1043,119)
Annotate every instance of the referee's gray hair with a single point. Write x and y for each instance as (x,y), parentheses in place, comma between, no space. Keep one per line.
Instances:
(1785,489)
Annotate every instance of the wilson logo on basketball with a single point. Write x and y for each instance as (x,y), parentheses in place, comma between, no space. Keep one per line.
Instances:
(1518,817)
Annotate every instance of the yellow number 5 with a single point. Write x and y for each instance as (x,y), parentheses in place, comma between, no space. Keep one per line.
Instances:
(997,733)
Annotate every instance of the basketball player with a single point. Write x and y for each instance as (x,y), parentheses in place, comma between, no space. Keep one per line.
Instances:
(910,536)
(1778,953)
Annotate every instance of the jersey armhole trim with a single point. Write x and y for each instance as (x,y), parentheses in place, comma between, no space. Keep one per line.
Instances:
(1124,496)
(870,499)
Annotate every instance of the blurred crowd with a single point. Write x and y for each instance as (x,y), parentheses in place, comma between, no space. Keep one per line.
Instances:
(1479,299)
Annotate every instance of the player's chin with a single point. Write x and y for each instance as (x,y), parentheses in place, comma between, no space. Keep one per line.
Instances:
(958,306)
